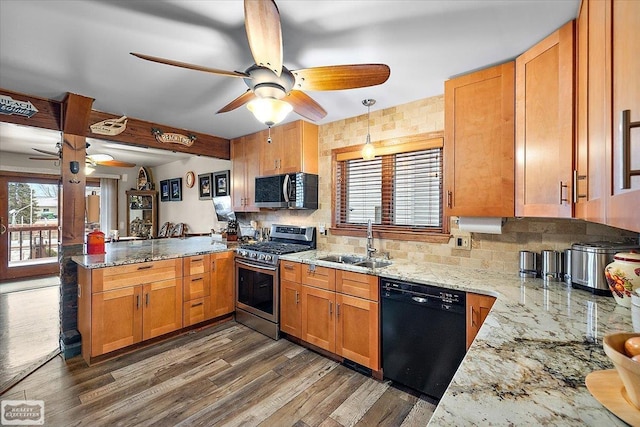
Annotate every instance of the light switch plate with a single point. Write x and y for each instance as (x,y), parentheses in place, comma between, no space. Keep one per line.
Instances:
(463,242)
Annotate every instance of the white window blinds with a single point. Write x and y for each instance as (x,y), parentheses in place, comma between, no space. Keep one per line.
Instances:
(399,190)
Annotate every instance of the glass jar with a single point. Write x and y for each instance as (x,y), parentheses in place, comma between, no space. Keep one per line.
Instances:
(623,276)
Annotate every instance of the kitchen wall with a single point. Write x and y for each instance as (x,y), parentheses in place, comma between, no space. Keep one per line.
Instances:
(199,215)
(491,252)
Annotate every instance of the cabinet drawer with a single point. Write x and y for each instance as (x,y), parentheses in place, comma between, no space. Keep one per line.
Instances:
(197,264)
(319,277)
(290,271)
(196,286)
(196,311)
(104,279)
(357,284)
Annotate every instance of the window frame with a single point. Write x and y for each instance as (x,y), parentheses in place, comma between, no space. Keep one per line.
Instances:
(386,147)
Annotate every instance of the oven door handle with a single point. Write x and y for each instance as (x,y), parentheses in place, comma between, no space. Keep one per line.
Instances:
(260,266)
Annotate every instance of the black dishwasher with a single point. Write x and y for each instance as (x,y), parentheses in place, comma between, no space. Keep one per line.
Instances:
(423,334)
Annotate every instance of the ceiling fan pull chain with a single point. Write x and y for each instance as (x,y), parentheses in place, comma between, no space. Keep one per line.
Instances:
(269,137)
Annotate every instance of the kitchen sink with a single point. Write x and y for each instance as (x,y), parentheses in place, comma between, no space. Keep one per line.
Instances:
(373,263)
(358,261)
(343,259)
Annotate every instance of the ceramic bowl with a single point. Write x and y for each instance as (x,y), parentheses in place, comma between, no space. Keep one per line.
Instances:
(628,370)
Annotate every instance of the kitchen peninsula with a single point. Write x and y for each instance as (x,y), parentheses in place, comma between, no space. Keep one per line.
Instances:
(532,354)
(142,289)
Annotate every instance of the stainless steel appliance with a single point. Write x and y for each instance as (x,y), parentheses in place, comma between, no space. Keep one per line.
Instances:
(289,191)
(588,261)
(423,334)
(551,266)
(528,264)
(258,279)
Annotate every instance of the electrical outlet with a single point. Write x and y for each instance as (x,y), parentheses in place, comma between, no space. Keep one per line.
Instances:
(463,242)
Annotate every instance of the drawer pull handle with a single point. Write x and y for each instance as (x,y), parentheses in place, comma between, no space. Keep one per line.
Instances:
(145,267)
(288,267)
(197,259)
(196,279)
(197,304)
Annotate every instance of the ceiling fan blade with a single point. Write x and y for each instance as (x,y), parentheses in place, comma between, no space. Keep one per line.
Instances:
(50,153)
(45,158)
(262,22)
(339,77)
(190,66)
(305,106)
(115,163)
(238,102)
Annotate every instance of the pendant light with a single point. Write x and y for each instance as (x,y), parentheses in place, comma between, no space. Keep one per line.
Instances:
(368,151)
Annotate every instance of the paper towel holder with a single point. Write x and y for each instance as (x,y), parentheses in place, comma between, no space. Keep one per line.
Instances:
(486,225)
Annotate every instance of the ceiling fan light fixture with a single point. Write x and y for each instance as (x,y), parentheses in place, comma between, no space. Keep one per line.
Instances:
(368,151)
(269,111)
(100,157)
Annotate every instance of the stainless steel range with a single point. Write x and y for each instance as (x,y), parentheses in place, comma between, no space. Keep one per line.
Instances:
(258,276)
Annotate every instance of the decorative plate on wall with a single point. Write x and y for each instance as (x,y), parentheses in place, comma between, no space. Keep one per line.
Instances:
(190,179)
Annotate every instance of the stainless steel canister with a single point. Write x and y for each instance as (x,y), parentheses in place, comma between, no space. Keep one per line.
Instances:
(551,266)
(528,264)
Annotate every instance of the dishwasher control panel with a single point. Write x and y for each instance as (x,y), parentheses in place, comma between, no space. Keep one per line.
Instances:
(422,291)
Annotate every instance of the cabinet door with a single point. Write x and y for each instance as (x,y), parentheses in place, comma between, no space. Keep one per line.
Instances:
(358,330)
(222,284)
(162,311)
(318,317)
(478,307)
(479,143)
(252,159)
(238,174)
(116,319)
(592,121)
(290,308)
(544,127)
(271,152)
(319,277)
(624,201)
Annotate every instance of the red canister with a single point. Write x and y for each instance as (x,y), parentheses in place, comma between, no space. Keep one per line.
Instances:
(95,242)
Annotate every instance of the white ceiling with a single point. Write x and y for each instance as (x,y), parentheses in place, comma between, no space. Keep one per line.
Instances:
(50,47)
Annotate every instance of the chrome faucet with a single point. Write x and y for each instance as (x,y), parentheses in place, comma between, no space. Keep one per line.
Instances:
(370,249)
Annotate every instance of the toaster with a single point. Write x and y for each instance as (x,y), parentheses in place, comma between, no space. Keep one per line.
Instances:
(588,261)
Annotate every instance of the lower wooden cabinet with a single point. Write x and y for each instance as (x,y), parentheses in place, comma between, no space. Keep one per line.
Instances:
(222,284)
(126,316)
(478,307)
(291,308)
(358,330)
(318,319)
(345,323)
(124,305)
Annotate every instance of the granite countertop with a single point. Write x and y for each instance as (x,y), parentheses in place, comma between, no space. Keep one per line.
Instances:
(134,251)
(529,361)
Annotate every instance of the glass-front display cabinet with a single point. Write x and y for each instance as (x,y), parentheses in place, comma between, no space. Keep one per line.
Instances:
(142,213)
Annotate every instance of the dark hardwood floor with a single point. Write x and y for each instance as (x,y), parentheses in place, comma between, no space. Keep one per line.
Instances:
(221,375)
(29,329)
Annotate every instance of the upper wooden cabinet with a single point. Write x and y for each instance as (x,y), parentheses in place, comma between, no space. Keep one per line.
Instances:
(544,127)
(608,84)
(479,143)
(245,165)
(623,153)
(293,148)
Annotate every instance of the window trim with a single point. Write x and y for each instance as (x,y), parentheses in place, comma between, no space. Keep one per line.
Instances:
(415,142)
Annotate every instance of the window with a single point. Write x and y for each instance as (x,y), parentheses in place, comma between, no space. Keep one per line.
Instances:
(400,190)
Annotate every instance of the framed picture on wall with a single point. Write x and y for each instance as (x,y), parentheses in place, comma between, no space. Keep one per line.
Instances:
(175,186)
(204,186)
(165,194)
(221,184)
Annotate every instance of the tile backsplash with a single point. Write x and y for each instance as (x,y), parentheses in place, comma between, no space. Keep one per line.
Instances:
(498,252)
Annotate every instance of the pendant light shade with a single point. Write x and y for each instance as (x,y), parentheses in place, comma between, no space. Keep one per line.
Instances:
(368,151)
(269,111)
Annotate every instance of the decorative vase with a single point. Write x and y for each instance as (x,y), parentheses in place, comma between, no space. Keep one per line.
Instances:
(623,276)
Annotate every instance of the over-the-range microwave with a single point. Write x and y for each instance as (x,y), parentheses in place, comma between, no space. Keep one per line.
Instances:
(288,191)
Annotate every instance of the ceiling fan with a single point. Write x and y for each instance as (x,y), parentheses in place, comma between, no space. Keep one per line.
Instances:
(274,90)
(91,159)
